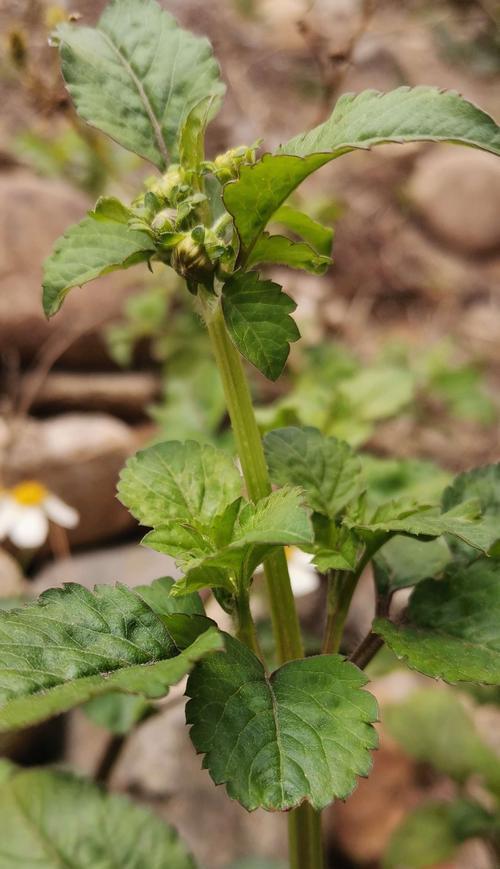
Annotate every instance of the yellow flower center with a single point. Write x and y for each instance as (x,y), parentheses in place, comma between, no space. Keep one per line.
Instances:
(29,494)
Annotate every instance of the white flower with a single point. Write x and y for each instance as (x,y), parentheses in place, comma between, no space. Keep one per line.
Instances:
(303,575)
(25,512)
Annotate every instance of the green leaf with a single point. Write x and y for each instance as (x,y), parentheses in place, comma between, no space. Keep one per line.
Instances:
(451,630)
(431,833)
(137,75)
(327,469)
(420,520)
(303,733)
(74,644)
(99,244)
(435,727)
(484,485)
(405,561)
(257,315)
(54,819)
(158,595)
(279,250)
(192,134)
(277,520)
(358,121)
(117,712)
(186,481)
(314,233)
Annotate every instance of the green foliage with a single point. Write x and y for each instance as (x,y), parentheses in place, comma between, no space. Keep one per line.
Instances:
(435,727)
(484,485)
(451,626)
(137,75)
(118,713)
(53,819)
(302,733)
(311,231)
(405,561)
(257,315)
(74,644)
(432,832)
(100,243)
(279,250)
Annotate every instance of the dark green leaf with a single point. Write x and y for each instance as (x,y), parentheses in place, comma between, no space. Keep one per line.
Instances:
(452,629)
(404,561)
(432,833)
(358,121)
(52,820)
(304,733)
(137,75)
(435,727)
(484,485)
(278,250)
(74,644)
(327,469)
(97,245)
(257,315)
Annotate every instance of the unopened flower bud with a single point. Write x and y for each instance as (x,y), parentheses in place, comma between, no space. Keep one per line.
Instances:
(190,260)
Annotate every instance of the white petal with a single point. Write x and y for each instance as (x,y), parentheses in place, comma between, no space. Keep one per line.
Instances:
(59,512)
(9,510)
(31,528)
(303,576)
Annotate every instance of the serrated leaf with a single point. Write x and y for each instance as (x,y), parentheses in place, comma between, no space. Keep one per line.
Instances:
(73,644)
(185,481)
(405,561)
(431,833)
(320,237)
(158,595)
(137,75)
(277,520)
(96,246)
(257,315)
(484,485)
(54,819)
(326,469)
(279,250)
(435,728)
(358,121)
(420,520)
(303,733)
(451,630)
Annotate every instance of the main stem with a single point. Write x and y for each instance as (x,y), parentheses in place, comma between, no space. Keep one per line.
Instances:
(304,823)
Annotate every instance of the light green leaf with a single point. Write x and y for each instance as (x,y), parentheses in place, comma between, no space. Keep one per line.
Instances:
(431,833)
(257,315)
(420,520)
(192,134)
(435,727)
(137,75)
(314,233)
(451,630)
(97,245)
(327,469)
(484,485)
(405,561)
(358,121)
(335,548)
(378,392)
(186,481)
(279,250)
(158,595)
(74,644)
(53,819)
(303,733)
(117,712)
(258,530)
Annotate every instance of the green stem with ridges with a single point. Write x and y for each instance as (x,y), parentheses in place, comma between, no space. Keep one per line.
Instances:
(304,823)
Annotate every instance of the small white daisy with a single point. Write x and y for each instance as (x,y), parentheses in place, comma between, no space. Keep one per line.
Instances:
(25,512)
(303,576)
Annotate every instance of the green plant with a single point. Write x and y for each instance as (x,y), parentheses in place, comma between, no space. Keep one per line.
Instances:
(297,738)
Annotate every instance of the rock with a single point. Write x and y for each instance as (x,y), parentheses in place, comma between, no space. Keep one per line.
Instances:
(78,457)
(457,195)
(36,212)
(130,564)
(160,763)
(125,394)
(11,576)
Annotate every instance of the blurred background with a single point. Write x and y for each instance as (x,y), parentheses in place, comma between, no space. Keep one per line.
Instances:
(399,356)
